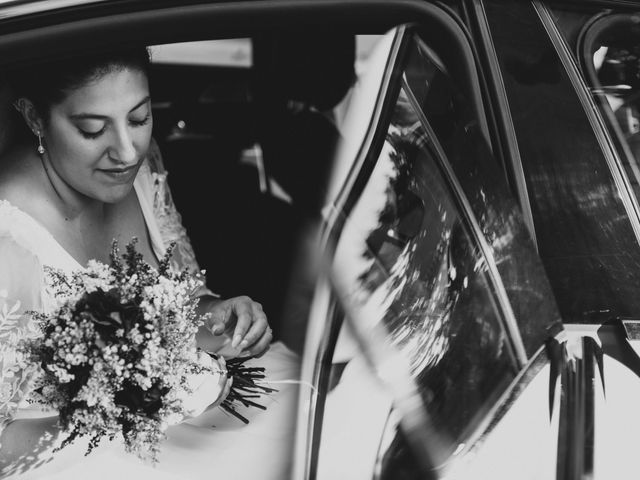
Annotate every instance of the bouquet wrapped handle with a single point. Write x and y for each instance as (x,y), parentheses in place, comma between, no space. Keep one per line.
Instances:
(248,384)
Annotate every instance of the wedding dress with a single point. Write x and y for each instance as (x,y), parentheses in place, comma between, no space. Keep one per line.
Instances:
(213,445)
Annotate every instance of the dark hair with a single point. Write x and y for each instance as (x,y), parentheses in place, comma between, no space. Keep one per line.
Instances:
(49,83)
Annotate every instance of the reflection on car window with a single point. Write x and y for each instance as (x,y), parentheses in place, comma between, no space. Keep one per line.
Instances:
(447,110)
(431,251)
(615,74)
(413,266)
(585,236)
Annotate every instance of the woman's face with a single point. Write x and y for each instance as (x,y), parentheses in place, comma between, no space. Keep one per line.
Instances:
(98,136)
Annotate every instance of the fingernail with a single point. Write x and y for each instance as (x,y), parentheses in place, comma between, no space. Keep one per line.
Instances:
(236,341)
(243,344)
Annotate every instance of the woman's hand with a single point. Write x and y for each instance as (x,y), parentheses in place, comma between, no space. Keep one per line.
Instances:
(251,332)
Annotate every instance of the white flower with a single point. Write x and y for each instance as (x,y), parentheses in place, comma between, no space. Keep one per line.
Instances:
(6,392)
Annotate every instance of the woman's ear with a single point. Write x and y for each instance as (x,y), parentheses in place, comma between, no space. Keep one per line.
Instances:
(30,115)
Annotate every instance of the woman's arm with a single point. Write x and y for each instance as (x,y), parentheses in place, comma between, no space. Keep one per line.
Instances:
(22,441)
(237,324)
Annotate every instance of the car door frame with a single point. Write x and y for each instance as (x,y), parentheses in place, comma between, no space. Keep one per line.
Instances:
(325,310)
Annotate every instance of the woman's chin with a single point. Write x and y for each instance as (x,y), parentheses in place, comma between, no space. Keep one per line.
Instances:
(113,194)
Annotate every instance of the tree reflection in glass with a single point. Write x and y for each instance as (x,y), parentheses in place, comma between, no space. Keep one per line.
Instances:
(411,265)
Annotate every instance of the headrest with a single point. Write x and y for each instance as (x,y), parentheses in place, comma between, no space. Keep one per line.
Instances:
(308,67)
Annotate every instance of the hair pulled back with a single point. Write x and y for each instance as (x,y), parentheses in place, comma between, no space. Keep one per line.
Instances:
(49,83)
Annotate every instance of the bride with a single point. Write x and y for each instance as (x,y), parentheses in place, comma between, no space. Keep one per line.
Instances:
(90,173)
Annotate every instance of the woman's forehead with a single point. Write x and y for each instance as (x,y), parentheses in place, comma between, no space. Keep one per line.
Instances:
(114,91)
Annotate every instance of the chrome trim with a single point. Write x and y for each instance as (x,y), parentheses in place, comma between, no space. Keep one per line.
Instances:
(598,124)
(504,108)
(314,348)
(577,413)
(505,402)
(509,322)
(591,351)
(335,212)
(318,325)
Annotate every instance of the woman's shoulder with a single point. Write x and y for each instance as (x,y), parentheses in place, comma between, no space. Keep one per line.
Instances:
(20,196)
(19,178)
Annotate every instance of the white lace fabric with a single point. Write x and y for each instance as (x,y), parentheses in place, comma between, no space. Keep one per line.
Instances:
(21,290)
(167,217)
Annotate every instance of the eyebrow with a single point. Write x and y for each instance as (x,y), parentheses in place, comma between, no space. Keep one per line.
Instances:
(85,116)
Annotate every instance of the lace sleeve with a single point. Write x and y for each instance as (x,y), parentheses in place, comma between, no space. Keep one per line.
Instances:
(170,222)
(21,290)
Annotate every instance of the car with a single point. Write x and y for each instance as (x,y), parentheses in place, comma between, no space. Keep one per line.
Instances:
(436,202)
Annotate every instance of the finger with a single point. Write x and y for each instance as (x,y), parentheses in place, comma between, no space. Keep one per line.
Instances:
(258,327)
(222,363)
(262,345)
(243,311)
(220,315)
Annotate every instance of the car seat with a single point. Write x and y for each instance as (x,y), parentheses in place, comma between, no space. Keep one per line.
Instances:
(299,77)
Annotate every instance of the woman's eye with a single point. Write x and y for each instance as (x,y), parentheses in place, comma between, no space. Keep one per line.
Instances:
(139,121)
(91,129)
(91,134)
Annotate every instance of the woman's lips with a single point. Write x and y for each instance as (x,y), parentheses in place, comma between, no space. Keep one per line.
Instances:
(120,174)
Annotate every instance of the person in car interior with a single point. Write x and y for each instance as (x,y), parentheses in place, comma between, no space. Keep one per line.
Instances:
(83,172)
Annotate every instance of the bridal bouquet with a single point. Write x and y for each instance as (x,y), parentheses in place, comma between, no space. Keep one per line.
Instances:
(118,352)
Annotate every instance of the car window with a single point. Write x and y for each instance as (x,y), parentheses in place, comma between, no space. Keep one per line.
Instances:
(457,132)
(413,261)
(234,52)
(582,213)
(610,48)
(412,265)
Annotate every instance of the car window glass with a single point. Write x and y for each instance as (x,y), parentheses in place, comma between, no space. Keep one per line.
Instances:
(409,262)
(585,238)
(413,266)
(611,49)
(460,139)
(234,52)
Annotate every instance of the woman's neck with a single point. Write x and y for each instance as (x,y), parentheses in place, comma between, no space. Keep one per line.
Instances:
(73,205)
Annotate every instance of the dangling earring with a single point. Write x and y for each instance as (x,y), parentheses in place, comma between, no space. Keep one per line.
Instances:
(40,146)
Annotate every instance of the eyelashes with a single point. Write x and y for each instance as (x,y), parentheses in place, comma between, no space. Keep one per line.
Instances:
(133,123)
(140,123)
(91,135)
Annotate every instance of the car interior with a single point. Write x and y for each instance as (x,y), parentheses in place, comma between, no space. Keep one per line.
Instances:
(251,146)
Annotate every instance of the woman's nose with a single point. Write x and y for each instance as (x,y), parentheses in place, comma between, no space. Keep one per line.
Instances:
(124,149)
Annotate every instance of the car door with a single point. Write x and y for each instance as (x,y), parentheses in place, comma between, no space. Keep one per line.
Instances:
(564,77)
(435,312)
